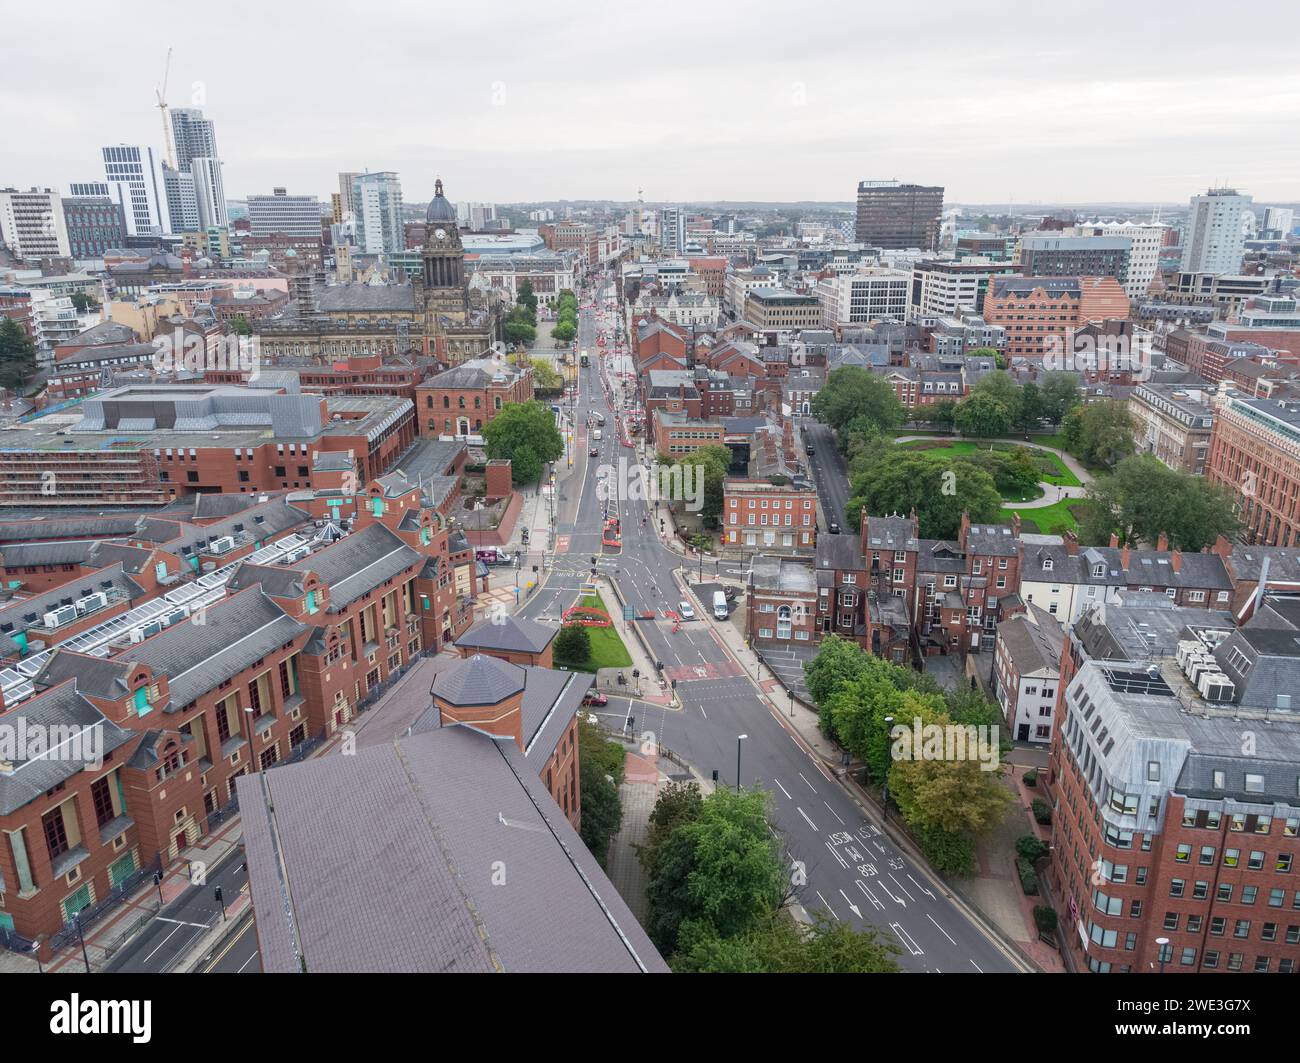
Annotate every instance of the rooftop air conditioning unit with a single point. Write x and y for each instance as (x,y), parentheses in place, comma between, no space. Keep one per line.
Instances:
(223,545)
(92,602)
(1215,686)
(65,614)
(174,617)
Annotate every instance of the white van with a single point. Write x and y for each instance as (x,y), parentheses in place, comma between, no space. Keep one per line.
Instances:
(720,611)
(596,434)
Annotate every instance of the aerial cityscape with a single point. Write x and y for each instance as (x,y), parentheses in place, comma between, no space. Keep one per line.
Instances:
(683,518)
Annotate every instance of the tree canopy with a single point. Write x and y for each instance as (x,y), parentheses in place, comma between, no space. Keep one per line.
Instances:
(17,354)
(1142,498)
(1100,433)
(854,399)
(525,433)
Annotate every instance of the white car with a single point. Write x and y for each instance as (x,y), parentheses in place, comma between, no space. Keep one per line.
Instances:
(685,611)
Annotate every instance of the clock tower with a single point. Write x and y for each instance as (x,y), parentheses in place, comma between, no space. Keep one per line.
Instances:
(444,264)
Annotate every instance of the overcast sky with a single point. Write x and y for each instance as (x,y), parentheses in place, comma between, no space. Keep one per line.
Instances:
(699,100)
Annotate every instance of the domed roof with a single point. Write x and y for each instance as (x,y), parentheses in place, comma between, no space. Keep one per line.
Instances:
(440,208)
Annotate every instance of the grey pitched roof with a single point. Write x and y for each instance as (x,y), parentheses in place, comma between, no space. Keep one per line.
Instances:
(511,633)
(358,563)
(59,706)
(839,551)
(276,580)
(478,680)
(55,553)
(421,826)
(1033,641)
(99,676)
(235,632)
(357,297)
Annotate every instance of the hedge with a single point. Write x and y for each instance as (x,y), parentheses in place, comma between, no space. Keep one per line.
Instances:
(1028,877)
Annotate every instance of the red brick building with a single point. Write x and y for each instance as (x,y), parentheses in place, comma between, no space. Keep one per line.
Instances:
(463,400)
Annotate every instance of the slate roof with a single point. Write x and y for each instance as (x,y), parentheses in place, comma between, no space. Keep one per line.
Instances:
(892,533)
(100,676)
(839,552)
(63,706)
(1033,641)
(275,580)
(356,297)
(198,657)
(421,825)
(515,634)
(1146,568)
(358,563)
(478,680)
(56,553)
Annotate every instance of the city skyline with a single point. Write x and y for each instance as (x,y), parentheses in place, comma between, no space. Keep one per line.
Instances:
(516,123)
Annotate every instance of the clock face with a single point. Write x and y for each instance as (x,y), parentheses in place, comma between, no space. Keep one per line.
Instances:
(441,234)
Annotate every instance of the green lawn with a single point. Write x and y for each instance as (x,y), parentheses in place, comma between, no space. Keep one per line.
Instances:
(607,649)
(1046,517)
(1052,469)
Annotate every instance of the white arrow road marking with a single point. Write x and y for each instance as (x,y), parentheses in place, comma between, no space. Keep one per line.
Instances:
(920,887)
(810,785)
(902,887)
(806,819)
(783,789)
(896,900)
(833,812)
(837,856)
(941,929)
(906,939)
(879,905)
(852,907)
(824,902)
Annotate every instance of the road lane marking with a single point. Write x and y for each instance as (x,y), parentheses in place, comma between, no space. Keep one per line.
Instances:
(827,905)
(833,812)
(834,853)
(810,785)
(977,966)
(878,904)
(902,887)
(920,887)
(906,939)
(783,789)
(941,929)
(806,819)
(852,907)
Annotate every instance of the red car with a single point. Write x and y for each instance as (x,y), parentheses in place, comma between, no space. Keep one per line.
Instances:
(594,698)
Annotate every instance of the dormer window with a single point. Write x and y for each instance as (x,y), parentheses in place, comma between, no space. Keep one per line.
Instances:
(1047,564)
(1099,570)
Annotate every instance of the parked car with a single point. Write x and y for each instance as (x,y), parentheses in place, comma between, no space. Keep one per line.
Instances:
(593,697)
(594,452)
(834,528)
(685,611)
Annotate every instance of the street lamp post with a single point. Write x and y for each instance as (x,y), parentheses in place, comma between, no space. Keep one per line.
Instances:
(1163,943)
(81,935)
(739,739)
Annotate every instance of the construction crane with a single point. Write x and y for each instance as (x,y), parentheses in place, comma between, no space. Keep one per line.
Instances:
(161,93)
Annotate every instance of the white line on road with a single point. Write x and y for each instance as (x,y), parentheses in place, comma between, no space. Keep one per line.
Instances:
(181,922)
(806,819)
(878,904)
(835,853)
(906,939)
(852,907)
(977,966)
(941,929)
(824,902)
(810,785)
(783,789)
(833,812)
(902,887)
(920,887)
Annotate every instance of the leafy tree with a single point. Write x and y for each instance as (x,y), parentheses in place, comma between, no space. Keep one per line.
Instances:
(240,326)
(715,459)
(982,415)
(17,354)
(520,331)
(524,296)
(1060,394)
(1029,413)
(838,662)
(852,394)
(83,302)
(719,873)
(949,852)
(573,644)
(678,803)
(1142,498)
(564,331)
(779,946)
(941,414)
(525,433)
(938,491)
(600,771)
(1100,432)
(941,794)
(545,376)
(1000,385)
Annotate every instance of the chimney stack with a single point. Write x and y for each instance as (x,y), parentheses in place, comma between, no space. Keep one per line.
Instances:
(1162,544)
(1123,558)
(1176,562)
(1114,541)
(1071,542)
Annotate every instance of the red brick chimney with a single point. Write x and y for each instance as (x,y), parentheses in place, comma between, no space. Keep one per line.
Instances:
(1123,558)
(1176,562)
(1114,541)
(1071,542)
(1162,544)
(1015,525)
(964,532)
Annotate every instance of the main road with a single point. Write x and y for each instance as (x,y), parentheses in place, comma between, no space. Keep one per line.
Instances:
(842,864)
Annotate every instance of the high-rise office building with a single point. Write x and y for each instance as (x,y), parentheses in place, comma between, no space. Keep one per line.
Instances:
(1146,238)
(672,230)
(347,204)
(193,136)
(1057,255)
(1215,239)
(94,224)
(88,188)
(182,204)
(209,192)
(1279,220)
(32,224)
(897,216)
(283,213)
(377,206)
(134,175)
